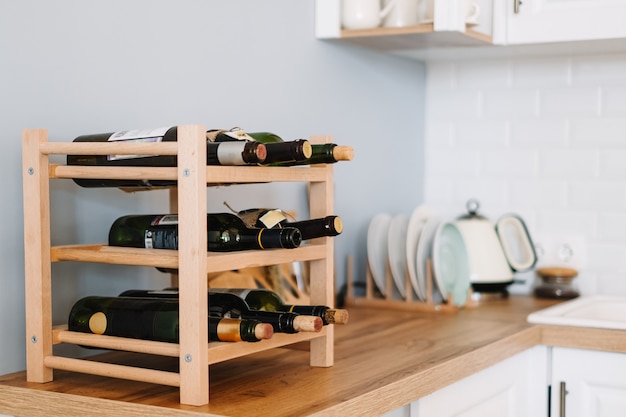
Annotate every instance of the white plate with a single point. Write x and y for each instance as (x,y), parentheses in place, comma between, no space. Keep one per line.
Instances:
(416,222)
(424,253)
(377,248)
(450,263)
(396,245)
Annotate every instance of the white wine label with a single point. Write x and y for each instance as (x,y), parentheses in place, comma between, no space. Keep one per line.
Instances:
(237,133)
(137,136)
(166,219)
(229,153)
(148,240)
(272,218)
(98,323)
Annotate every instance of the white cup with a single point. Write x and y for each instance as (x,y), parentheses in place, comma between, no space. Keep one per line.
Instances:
(364,14)
(471,11)
(426,11)
(404,13)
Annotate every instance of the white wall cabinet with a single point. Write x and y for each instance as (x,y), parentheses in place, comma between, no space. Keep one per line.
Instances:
(539,24)
(515,387)
(564,20)
(595,383)
(539,21)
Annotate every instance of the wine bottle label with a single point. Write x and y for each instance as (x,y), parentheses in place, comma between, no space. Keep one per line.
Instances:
(161,239)
(136,135)
(164,220)
(238,134)
(229,153)
(272,218)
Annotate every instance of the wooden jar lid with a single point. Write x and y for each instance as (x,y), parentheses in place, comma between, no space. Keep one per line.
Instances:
(557,271)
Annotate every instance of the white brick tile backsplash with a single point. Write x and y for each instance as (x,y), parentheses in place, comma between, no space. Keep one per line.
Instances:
(454,105)
(613,101)
(538,134)
(613,165)
(538,194)
(541,72)
(453,163)
(599,70)
(483,74)
(568,164)
(598,133)
(566,222)
(479,134)
(542,137)
(508,164)
(597,196)
(506,104)
(612,227)
(569,102)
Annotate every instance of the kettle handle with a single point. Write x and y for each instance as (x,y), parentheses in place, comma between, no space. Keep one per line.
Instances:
(516,243)
(385,11)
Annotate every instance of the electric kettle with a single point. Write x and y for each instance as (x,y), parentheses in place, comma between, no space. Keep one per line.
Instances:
(495,252)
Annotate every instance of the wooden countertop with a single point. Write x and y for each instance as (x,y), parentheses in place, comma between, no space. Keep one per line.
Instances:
(383,360)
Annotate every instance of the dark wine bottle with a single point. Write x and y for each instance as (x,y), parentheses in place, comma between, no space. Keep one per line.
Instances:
(154,319)
(266,300)
(276,218)
(279,152)
(233,306)
(322,153)
(234,153)
(225,233)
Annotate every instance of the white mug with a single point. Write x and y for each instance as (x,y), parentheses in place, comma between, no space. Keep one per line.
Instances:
(404,13)
(426,11)
(364,14)
(471,11)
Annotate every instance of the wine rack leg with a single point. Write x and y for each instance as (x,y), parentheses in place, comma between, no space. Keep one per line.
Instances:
(322,270)
(37,270)
(192,265)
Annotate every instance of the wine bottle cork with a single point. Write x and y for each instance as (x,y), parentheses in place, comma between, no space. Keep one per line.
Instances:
(263,331)
(336,316)
(343,153)
(308,323)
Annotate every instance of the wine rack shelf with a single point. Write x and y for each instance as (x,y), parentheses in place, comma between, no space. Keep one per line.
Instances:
(189,199)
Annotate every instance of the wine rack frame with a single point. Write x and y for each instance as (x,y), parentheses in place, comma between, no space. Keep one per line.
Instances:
(193,261)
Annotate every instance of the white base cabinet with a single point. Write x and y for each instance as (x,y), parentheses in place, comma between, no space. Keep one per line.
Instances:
(595,383)
(515,387)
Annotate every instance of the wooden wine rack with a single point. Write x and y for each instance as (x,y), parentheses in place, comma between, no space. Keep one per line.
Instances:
(193,261)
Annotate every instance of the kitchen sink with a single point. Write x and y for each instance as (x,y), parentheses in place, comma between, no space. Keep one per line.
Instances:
(601,311)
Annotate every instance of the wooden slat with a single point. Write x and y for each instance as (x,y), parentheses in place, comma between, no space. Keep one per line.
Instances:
(109,148)
(322,290)
(163,258)
(112,370)
(37,270)
(192,265)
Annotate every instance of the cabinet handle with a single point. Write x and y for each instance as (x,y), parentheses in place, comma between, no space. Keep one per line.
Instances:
(516,5)
(563,392)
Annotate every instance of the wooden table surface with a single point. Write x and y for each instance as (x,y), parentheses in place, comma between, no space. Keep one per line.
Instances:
(383,360)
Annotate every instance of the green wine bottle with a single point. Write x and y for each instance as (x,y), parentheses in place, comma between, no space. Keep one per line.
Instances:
(276,218)
(322,153)
(279,152)
(217,154)
(225,232)
(154,319)
(233,306)
(266,300)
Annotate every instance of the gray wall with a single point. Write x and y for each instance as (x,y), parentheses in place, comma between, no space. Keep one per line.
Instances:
(77,67)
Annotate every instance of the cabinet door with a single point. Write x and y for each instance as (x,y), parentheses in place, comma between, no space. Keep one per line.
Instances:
(515,387)
(565,20)
(595,383)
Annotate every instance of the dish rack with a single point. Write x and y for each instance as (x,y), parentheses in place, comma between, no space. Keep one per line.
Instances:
(189,199)
(374,298)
